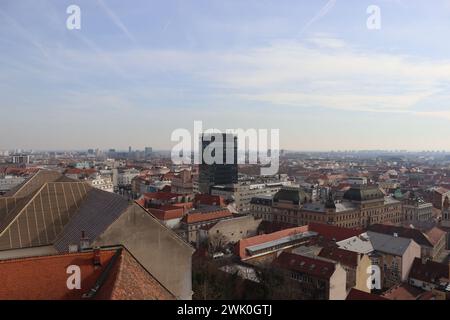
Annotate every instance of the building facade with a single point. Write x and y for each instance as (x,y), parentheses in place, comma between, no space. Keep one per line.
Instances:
(225,169)
(312,279)
(243,193)
(417,210)
(361,206)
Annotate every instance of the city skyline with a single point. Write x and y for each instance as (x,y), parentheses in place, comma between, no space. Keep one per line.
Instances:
(133,74)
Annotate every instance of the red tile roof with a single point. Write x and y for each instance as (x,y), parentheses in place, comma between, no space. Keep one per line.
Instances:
(333,233)
(345,257)
(141,202)
(273,226)
(435,235)
(128,280)
(161,195)
(244,243)
(430,271)
(441,190)
(313,267)
(45,277)
(403,292)
(328,232)
(206,216)
(167,212)
(207,199)
(356,294)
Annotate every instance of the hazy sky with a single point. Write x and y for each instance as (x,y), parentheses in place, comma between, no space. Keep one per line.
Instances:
(139,69)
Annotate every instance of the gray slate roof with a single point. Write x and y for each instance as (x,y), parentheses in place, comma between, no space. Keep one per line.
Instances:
(96,213)
(389,244)
(374,241)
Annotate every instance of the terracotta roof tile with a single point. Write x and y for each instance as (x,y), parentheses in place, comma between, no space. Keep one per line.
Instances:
(313,267)
(356,294)
(430,271)
(403,292)
(206,216)
(45,277)
(345,257)
(333,233)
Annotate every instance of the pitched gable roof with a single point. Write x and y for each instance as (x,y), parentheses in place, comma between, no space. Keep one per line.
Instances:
(333,233)
(263,238)
(117,276)
(356,294)
(38,218)
(313,267)
(430,271)
(98,211)
(217,213)
(389,244)
(403,232)
(345,257)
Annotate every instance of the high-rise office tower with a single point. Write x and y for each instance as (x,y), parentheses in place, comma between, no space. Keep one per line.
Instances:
(148,152)
(220,172)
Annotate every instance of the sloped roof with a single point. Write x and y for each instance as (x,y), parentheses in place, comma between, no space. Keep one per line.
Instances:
(313,267)
(218,213)
(333,233)
(403,232)
(440,190)
(98,210)
(403,292)
(118,276)
(372,241)
(39,217)
(294,195)
(263,238)
(33,183)
(430,271)
(435,235)
(167,212)
(364,193)
(345,257)
(129,280)
(389,244)
(356,294)
(359,244)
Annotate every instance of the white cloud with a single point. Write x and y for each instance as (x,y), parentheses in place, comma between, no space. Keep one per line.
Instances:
(332,74)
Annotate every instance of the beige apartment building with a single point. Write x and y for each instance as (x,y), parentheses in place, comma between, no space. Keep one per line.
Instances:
(311,278)
(394,255)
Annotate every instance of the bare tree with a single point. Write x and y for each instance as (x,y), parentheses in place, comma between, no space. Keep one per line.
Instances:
(217,242)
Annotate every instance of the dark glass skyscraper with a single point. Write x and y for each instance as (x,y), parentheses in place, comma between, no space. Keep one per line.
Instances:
(218,173)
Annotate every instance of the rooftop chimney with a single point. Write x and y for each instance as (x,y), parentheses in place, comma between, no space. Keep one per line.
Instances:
(97,259)
(84,241)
